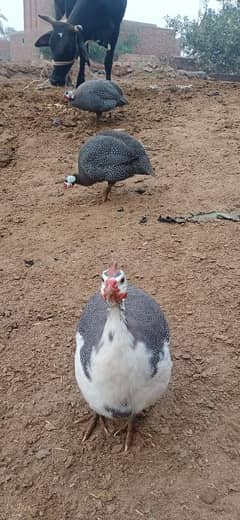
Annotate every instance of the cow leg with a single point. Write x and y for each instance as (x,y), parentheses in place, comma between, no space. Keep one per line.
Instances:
(81,75)
(109,56)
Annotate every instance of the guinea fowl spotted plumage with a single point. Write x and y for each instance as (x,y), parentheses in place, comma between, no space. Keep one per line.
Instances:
(122,359)
(97,96)
(110,156)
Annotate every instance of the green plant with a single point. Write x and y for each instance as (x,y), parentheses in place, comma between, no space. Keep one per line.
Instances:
(124,46)
(214,39)
(46,52)
(96,52)
(127,45)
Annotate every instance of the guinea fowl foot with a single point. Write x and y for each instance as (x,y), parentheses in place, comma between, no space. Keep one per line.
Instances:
(92,425)
(129,428)
(107,191)
(98,117)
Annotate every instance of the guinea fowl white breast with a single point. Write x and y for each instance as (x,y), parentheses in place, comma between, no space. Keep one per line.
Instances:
(122,359)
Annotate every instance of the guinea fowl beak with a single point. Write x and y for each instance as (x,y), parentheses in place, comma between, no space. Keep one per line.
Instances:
(68,184)
(111,290)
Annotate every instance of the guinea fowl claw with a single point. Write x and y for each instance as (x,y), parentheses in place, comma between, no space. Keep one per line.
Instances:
(98,117)
(106,196)
(92,425)
(107,191)
(104,424)
(129,427)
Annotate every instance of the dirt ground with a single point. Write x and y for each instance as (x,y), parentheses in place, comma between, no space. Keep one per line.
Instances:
(185,461)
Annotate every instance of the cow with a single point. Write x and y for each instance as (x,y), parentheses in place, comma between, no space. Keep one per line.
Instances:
(89,20)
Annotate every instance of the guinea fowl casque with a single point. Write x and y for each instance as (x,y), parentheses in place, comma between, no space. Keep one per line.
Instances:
(110,156)
(122,360)
(97,96)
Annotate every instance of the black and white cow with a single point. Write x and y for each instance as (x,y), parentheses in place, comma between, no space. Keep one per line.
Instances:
(89,20)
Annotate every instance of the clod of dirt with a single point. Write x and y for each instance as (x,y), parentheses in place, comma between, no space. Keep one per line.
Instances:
(140,191)
(56,121)
(214,93)
(15,70)
(7,148)
(143,220)
(209,496)
(42,454)
(29,263)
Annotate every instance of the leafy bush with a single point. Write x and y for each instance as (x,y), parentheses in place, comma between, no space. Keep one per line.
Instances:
(214,39)
(124,46)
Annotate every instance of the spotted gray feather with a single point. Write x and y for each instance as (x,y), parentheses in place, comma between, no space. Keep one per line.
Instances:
(144,318)
(98,96)
(113,156)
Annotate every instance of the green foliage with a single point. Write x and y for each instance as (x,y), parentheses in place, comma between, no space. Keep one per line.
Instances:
(96,52)
(124,46)
(214,39)
(46,52)
(127,45)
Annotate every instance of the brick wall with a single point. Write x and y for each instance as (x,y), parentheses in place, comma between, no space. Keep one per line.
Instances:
(32,8)
(22,47)
(4,49)
(151,40)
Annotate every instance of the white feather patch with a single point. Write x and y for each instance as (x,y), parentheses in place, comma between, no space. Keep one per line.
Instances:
(121,373)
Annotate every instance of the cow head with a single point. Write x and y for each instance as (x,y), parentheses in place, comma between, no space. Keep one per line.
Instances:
(66,42)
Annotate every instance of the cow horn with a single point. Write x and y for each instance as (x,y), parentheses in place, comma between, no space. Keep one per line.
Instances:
(58,24)
(48,19)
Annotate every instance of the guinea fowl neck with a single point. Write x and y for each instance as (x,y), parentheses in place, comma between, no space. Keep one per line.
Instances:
(83,179)
(116,322)
(116,312)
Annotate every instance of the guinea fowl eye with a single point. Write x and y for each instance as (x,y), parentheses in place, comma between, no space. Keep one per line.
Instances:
(122,280)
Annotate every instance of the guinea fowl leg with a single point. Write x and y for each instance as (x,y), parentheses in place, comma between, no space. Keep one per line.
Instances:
(92,425)
(98,116)
(107,191)
(129,428)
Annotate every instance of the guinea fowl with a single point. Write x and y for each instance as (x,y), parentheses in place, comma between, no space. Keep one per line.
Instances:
(122,359)
(97,96)
(110,156)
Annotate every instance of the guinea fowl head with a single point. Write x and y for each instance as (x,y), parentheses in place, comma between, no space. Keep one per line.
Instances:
(114,285)
(70,181)
(69,95)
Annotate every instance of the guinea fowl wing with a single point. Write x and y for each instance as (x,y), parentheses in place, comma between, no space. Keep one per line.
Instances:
(108,95)
(90,327)
(108,90)
(136,148)
(105,158)
(147,324)
(144,318)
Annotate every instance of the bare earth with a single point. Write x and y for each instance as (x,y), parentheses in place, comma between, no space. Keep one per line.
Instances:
(185,461)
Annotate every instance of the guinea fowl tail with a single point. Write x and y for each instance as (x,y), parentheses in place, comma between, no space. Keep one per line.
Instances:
(149,170)
(122,101)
